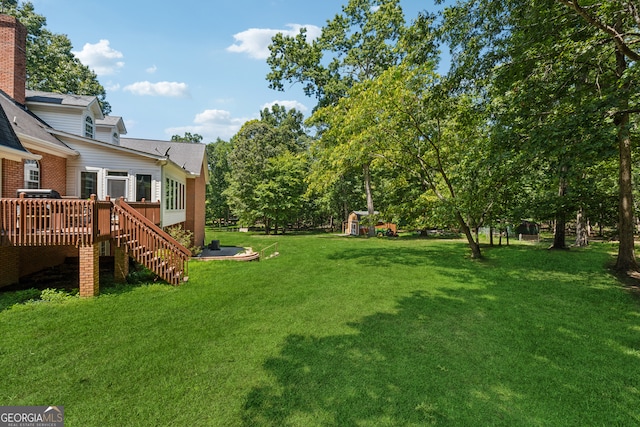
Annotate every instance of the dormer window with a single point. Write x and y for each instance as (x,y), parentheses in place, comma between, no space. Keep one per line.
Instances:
(116,138)
(88,127)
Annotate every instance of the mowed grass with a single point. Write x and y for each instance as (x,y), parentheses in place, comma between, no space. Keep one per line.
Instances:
(341,332)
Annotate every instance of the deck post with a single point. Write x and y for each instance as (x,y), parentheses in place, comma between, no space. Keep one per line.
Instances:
(89,270)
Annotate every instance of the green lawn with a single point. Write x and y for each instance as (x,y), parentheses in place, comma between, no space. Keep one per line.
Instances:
(341,332)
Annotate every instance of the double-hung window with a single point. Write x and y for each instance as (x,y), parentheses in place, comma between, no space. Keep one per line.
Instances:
(31,174)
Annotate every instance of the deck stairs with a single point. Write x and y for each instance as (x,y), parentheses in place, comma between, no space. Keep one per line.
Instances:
(148,244)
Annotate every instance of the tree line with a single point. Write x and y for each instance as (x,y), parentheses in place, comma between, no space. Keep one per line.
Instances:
(535,116)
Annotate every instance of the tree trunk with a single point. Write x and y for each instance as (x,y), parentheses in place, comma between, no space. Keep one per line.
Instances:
(559,233)
(367,189)
(491,235)
(473,245)
(626,260)
(582,229)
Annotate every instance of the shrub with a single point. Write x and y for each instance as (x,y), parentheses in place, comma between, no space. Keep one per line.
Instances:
(185,238)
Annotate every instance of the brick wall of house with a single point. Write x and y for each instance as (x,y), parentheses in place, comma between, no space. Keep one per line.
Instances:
(12,177)
(195,208)
(53,172)
(13,57)
(121,264)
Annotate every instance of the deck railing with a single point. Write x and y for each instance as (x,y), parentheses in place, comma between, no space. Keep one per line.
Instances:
(54,222)
(149,245)
(149,210)
(45,222)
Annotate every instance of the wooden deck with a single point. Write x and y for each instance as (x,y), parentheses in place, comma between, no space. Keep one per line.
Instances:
(44,222)
(29,222)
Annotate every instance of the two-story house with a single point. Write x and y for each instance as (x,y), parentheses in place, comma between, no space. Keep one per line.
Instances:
(64,143)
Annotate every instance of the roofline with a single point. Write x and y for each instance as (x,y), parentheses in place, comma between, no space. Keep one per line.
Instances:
(162,160)
(191,174)
(106,144)
(17,155)
(46,146)
(89,107)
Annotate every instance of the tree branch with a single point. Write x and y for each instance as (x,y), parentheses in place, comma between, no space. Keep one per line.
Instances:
(618,37)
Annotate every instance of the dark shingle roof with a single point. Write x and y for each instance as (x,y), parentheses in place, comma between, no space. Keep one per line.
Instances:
(59,98)
(69,100)
(24,122)
(187,155)
(8,137)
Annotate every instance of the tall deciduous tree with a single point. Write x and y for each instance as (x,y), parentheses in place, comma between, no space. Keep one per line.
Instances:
(217,206)
(187,137)
(619,22)
(355,46)
(561,84)
(265,179)
(436,140)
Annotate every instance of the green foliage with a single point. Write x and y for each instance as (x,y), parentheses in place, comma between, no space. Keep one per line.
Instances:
(355,45)
(267,166)
(184,237)
(8,299)
(429,140)
(187,137)
(56,296)
(217,206)
(557,85)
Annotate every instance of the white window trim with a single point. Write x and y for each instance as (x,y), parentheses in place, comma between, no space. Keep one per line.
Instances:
(126,178)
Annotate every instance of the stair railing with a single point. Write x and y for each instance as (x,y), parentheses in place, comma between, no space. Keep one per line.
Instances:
(149,244)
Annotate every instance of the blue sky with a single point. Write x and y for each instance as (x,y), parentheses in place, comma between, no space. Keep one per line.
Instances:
(188,66)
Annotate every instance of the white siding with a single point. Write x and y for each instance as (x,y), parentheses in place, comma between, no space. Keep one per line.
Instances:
(172,216)
(66,120)
(101,159)
(106,135)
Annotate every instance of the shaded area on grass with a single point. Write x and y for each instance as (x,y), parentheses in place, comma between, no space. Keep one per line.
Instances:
(537,346)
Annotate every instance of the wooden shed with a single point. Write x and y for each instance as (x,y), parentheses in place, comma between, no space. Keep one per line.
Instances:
(353,225)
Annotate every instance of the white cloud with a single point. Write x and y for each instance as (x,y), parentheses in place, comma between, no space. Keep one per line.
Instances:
(129,124)
(168,89)
(112,87)
(287,104)
(152,69)
(100,57)
(255,41)
(211,124)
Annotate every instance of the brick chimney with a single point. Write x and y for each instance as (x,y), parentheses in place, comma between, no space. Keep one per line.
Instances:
(13,57)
